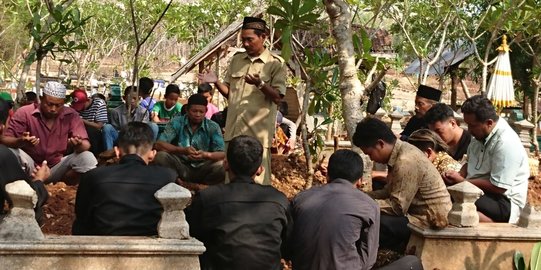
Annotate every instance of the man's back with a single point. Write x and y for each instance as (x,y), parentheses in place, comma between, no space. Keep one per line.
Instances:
(119,199)
(242,225)
(336,227)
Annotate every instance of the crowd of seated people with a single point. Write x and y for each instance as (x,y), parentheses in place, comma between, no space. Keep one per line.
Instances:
(243,224)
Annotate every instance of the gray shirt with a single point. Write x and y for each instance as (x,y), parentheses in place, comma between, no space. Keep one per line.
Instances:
(118,116)
(336,226)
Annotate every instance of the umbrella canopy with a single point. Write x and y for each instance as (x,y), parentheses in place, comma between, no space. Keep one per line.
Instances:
(500,86)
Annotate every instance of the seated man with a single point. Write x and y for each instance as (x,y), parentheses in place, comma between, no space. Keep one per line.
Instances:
(93,111)
(44,131)
(12,171)
(199,151)
(414,186)
(424,99)
(497,163)
(441,119)
(119,117)
(119,199)
(435,149)
(347,238)
(242,224)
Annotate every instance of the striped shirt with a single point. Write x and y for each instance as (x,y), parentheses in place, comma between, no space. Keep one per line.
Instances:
(97,112)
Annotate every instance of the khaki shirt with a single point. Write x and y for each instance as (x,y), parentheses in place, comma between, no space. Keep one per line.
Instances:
(414,187)
(249,111)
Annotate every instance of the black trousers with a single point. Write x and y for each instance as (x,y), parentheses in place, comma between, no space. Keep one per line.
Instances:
(11,171)
(495,206)
(394,233)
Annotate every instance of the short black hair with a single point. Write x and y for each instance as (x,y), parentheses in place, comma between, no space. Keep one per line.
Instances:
(145,85)
(205,88)
(481,107)
(31,96)
(4,111)
(130,89)
(370,130)
(244,155)
(345,164)
(438,113)
(196,99)
(172,88)
(100,96)
(136,136)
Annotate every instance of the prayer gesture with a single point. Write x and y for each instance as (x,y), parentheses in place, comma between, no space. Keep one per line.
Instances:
(29,140)
(207,77)
(75,140)
(452,177)
(253,79)
(199,155)
(42,172)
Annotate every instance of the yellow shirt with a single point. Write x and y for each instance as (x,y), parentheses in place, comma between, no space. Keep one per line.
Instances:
(249,111)
(414,187)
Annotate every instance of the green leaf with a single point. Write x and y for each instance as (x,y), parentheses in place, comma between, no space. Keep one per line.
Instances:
(276,11)
(518,258)
(327,121)
(286,5)
(30,58)
(308,6)
(367,43)
(309,18)
(535,261)
(311,108)
(295,4)
(286,43)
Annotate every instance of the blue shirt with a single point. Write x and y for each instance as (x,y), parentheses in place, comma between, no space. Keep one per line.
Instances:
(207,137)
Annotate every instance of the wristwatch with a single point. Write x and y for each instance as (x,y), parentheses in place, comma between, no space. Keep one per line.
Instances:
(260,86)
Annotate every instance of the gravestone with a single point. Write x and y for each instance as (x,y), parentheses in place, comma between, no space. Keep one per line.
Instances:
(174,199)
(20,223)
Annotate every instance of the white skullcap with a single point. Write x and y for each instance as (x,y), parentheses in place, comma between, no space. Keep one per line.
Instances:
(55,89)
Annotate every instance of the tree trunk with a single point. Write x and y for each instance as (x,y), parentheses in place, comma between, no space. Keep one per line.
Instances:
(351,88)
(455,81)
(535,116)
(38,77)
(21,86)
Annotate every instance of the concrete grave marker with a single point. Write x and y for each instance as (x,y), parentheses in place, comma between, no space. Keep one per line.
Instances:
(174,199)
(20,223)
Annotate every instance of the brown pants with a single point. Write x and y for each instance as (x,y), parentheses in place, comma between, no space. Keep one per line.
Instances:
(209,172)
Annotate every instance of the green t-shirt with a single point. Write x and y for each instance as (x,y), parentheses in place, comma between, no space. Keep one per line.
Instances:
(165,114)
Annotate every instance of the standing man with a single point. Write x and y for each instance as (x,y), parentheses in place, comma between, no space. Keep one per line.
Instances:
(44,131)
(119,199)
(497,163)
(414,186)
(347,238)
(441,119)
(424,100)
(254,84)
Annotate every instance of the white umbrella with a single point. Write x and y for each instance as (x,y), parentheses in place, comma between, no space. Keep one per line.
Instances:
(500,86)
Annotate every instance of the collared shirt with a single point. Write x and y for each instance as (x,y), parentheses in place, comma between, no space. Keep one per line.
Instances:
(346,238)
(414,187)
(96,112)
(462,146)
(164,113)
(52,142)
(207,137)
(242,224)
(502,159)
(119,118)
(119,199)
(250,112)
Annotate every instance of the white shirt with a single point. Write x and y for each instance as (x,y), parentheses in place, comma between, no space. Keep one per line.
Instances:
(502,159)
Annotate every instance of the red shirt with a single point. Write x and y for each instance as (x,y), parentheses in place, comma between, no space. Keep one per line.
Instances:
(52,142)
